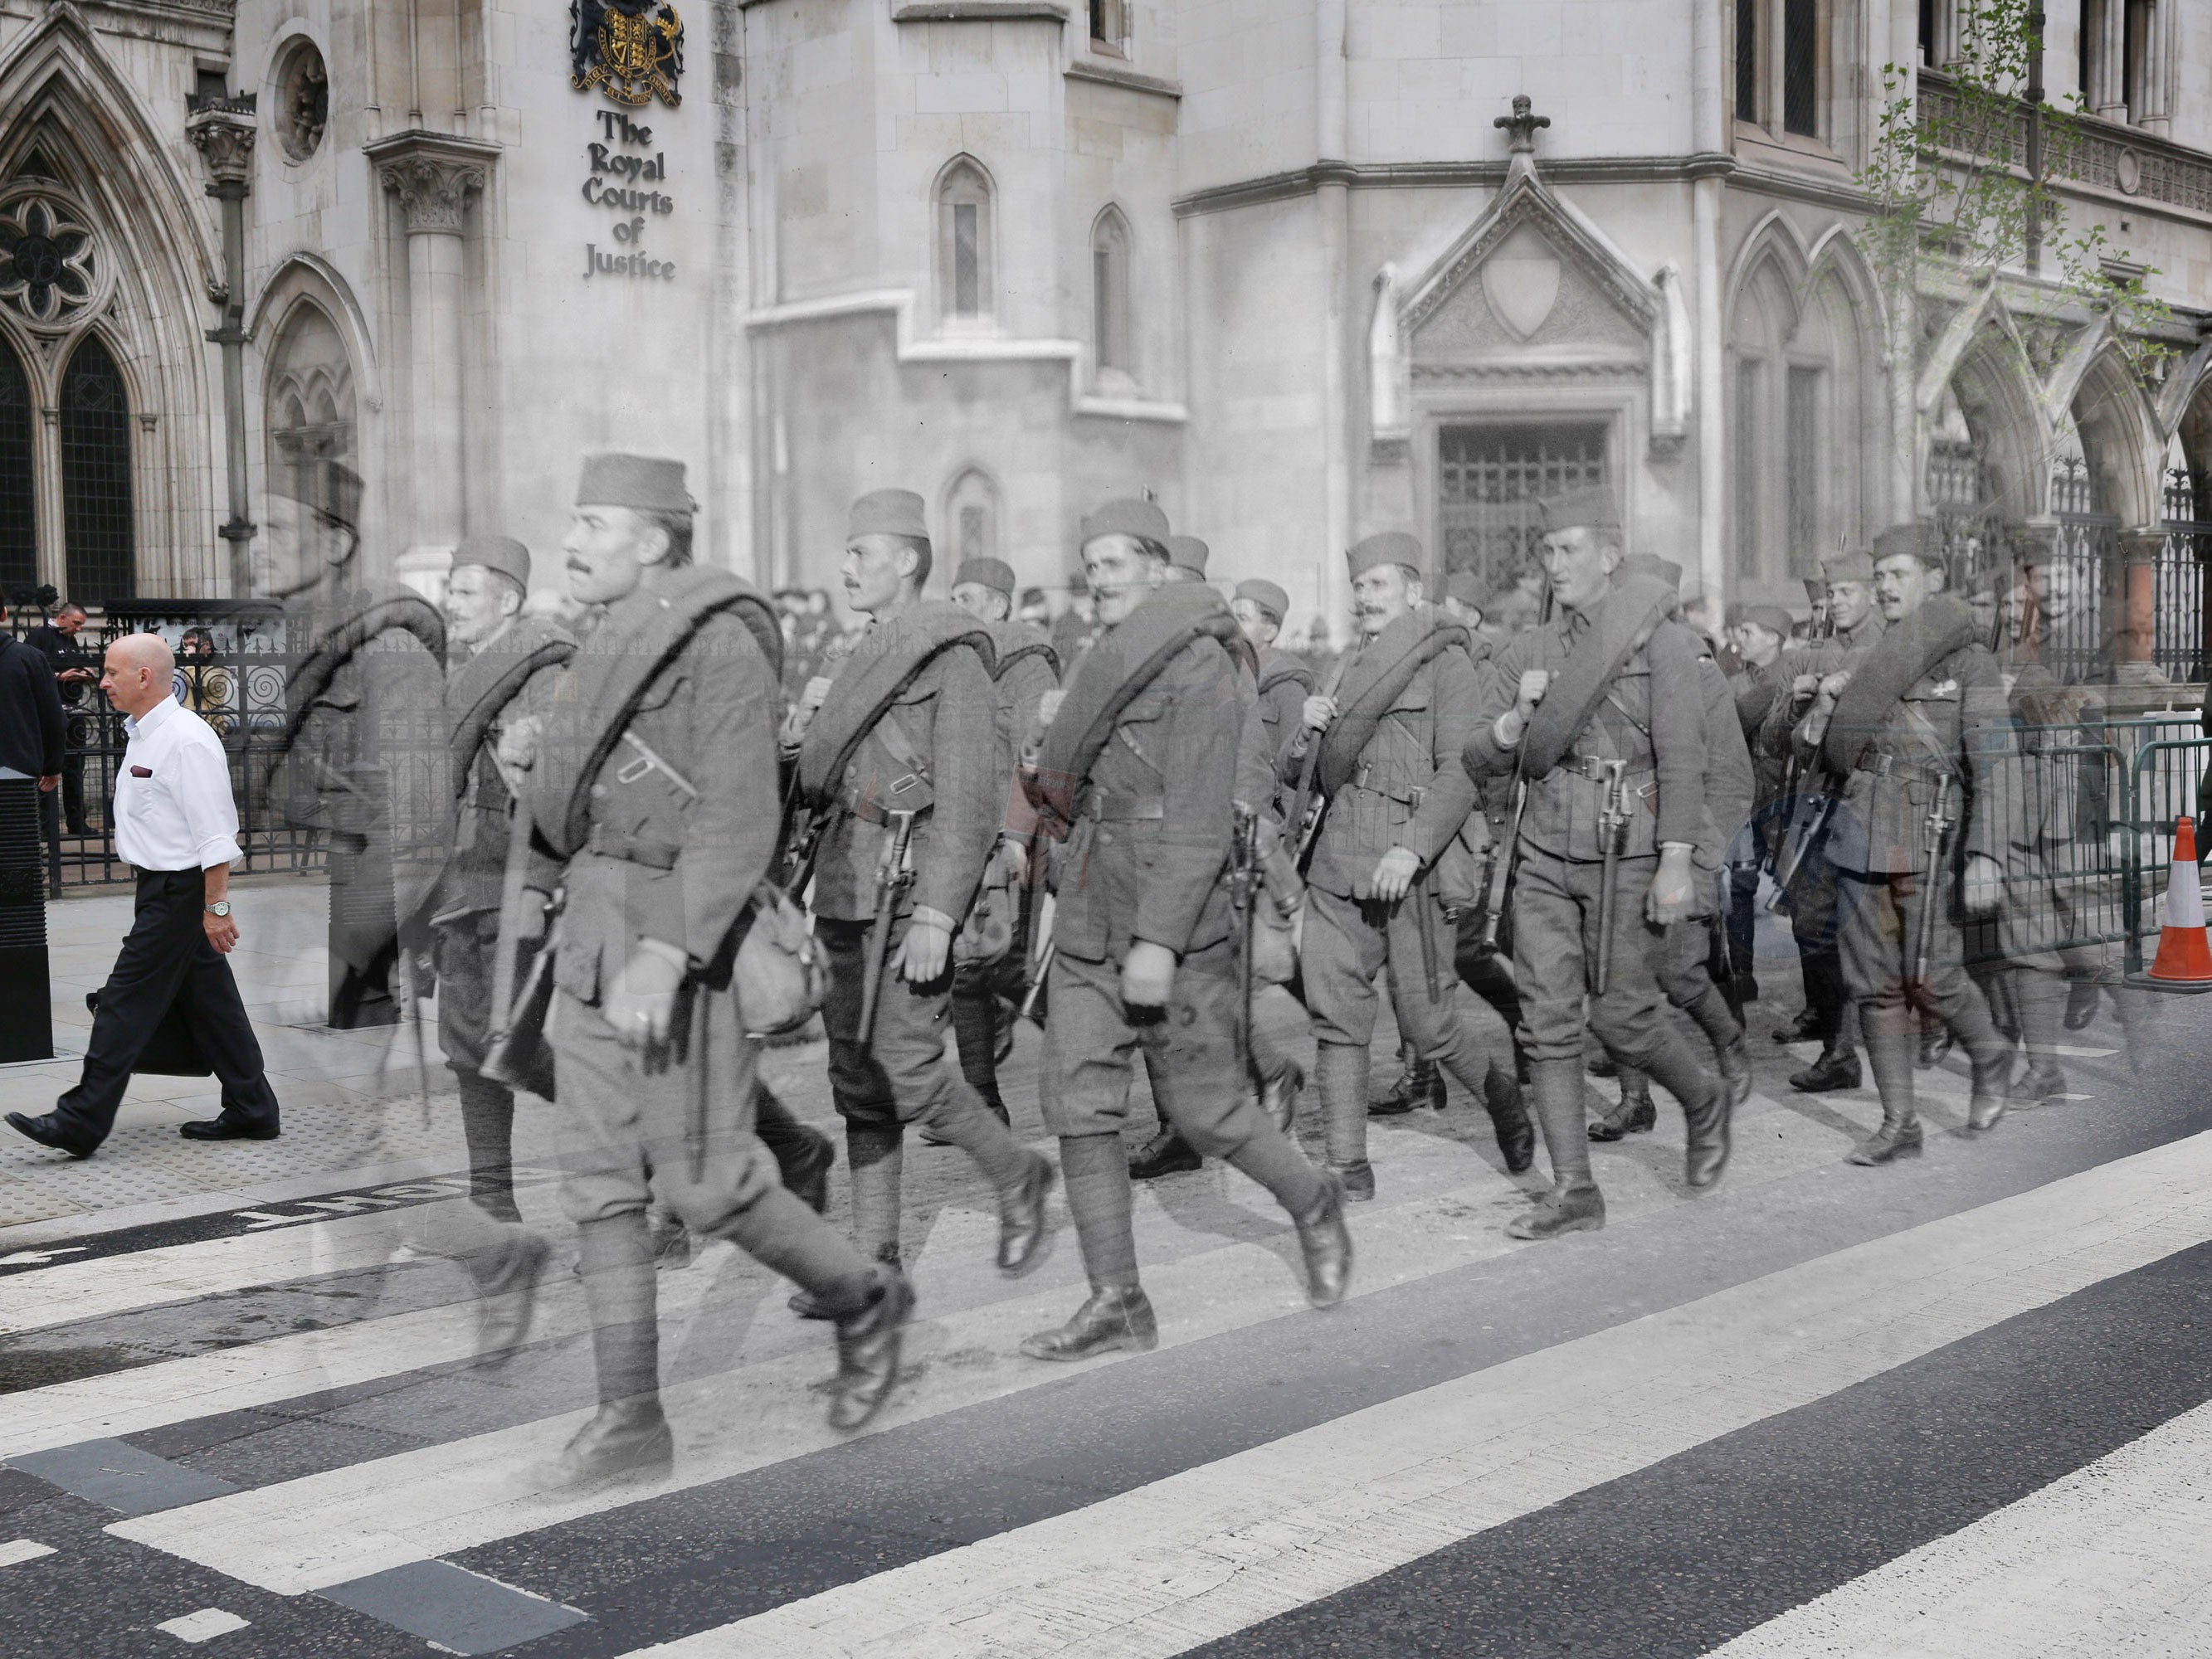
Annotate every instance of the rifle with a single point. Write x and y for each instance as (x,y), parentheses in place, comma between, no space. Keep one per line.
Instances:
(1940,817)
(1612,823)
(1501,872)
(894,875)
(1243,898)
(1304,821)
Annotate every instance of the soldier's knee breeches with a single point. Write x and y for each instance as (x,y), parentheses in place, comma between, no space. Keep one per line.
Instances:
(1091,1042)
(900,1076)
(1341,955)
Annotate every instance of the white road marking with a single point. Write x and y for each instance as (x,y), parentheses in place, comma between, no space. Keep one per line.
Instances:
(24,1549)
(203,1626)
(1211,1550)
(2115,1557)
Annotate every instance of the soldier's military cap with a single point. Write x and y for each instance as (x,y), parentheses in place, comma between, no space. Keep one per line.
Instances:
(1389,546)
(1816,588)
(994,573)
(333,489)
(1650,564)
(1127,517)
(1920,540)
(646,483)
(1467,587)
(1269,598)
(1592,504)
(501,554)
(1772,617)
(888,512)
(1188,553)
(1852,567)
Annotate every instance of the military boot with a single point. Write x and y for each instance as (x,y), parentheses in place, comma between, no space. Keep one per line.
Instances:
(1838,1067)
(1890,1056)
(1634,1115)
(1340,1080)
(2041,1082)
(1022,1218)
(2081,998)
(1708,1110)
(1117,1318)
(1734,1059)
(627,1439)
(1278,1095)
(1165,1154)
(868,1344)
(506,1272)
(1508,1119)
(1574,1204)
(1326,1242)
(1421,1084)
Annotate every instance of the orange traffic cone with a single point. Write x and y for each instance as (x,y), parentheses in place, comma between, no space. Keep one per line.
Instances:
(2185,954)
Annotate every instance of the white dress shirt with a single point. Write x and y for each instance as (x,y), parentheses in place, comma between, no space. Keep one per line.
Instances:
(172,805)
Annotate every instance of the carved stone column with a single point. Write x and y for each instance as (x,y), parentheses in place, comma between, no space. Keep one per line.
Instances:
(222,131)
(2135,632)
(433,175)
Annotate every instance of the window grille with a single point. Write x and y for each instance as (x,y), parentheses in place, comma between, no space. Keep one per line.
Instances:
(1800,66)
(19,518)
(1490,479)
(95,443)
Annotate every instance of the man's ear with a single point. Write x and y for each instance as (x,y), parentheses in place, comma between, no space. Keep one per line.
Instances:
(1613,553)
(1413,592)
(655,547)
(908,560)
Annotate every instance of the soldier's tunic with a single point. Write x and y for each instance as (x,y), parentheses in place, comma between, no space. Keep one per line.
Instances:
(1284,683)
(657,864)
(1682,971)
(1653,721)
(936,748)
(365,762)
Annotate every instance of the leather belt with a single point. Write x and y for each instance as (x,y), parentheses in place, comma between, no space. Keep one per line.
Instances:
(1593,768)
(873,808)
(1899,766)
(1409,794)
(630,849)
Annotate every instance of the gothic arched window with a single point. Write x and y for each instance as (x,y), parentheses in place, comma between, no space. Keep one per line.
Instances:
(965,277)
(971,516)
(95,444)
(309,399)
(1114,348)
(19,517)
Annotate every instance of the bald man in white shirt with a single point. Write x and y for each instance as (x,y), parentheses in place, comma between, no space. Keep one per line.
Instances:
(176,823)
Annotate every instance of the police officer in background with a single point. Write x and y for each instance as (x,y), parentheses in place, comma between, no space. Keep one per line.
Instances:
(1600,705)
(647,779)
(1905,729)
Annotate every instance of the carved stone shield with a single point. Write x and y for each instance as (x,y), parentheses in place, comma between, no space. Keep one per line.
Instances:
(1522,283)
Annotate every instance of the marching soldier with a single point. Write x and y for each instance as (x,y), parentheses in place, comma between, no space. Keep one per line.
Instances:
(1683,967)
(897,757)
(1906,732)
(1851,623)
(648,781)
(1384,750)
(1285,683)
(1024,669)
(1761,634)
(1137,767)
(1598,713)
(363,748)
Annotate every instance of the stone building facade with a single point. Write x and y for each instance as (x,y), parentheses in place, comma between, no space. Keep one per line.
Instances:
(1303,269)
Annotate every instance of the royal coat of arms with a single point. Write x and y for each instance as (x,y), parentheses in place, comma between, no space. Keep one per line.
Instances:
(631,50)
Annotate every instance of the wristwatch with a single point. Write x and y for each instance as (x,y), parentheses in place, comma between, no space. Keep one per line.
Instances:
(220,907)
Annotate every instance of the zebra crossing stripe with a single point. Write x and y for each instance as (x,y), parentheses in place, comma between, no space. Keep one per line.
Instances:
(1218,1548)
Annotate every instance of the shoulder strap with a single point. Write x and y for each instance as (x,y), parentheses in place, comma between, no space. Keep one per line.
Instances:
(824,783)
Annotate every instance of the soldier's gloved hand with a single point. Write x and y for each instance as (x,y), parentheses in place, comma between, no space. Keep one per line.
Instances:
(641,1001)
(1803,687)
(1831,688)
(1394,874)
(811,698)
(1534,681)
(928,948)
(1671,888)
(1985,884)
(1147,975)
(518,742)
(530,925)
(1319,712)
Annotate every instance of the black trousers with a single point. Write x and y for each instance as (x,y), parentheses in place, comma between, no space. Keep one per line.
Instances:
(167,959)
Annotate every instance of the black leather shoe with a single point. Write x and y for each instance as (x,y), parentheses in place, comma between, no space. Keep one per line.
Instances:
(1115,1319)
(807,1176)
(1421,1084)
(48,1131)
(2081,998)
(1709,1122)
(1557,1212)
(627,1440)
(1888,1144)
(227,1128)
(1022,1218)
(1836,1069)
(1736,1070)
(1992,1093)
(1165,1154)
(1326,1244)
(1635,1115)
(1934,1047)
(868,1352)
(1357,1180)
(1803,1028)
(1509,1117)
(1278,1097)
(2040,1082)
(506,1293)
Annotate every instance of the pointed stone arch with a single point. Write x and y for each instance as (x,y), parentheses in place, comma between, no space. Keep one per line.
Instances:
(2120,435)
(66,108)
(1980,360)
